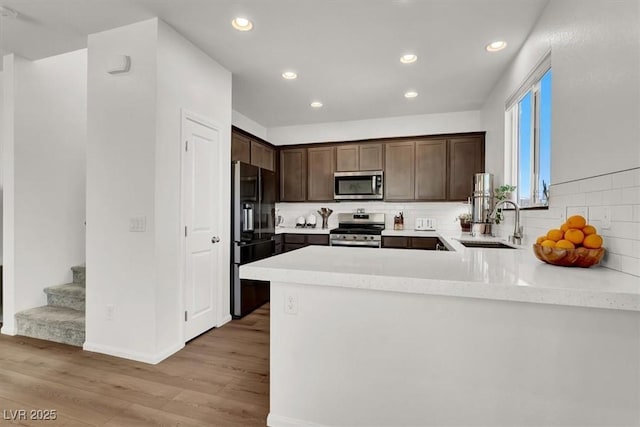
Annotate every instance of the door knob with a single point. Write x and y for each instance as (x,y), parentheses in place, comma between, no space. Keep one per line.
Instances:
(215,239)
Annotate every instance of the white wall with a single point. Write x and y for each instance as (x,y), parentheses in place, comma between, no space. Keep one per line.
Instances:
(121,138)
(245,123)
(595,56)
(134,124)
(1,144)
(191,80)
(426,124)
(45,194)
(6,128)
(595,157)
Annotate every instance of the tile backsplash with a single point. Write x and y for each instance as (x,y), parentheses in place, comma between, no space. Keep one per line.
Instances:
(444,213)
(613,198)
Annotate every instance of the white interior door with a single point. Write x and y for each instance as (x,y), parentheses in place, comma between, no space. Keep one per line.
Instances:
(200,189)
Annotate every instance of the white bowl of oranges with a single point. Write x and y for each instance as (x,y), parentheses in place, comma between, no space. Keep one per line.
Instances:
(574,244)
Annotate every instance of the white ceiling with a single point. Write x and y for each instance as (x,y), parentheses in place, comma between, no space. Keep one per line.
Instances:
(346,52)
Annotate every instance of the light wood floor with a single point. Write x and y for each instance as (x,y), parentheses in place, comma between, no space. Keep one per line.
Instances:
(219,379)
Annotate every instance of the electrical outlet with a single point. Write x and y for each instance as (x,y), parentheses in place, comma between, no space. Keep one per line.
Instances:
(606,218)
(291,303)
(576,210)
(110,310)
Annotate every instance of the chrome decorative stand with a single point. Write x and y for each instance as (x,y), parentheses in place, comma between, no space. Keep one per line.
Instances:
(325,213)
(481,204)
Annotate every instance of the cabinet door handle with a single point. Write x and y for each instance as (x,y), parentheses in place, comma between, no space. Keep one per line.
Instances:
(215,239)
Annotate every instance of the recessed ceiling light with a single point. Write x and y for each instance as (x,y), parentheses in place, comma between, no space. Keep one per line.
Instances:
(242,24)
(410,94)
(289,75)
(496,46)
(408,58)
(316,104)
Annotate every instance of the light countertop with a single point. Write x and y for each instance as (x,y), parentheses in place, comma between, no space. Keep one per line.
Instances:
(499,274)
(294,230)
(410,233)
(386,232)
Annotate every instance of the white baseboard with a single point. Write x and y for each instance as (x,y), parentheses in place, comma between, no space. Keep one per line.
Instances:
(274,420)
(226,319)
(8,328)
(152,359)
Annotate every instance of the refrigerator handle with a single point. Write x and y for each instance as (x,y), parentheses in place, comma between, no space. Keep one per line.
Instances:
(260,201)
(247,216)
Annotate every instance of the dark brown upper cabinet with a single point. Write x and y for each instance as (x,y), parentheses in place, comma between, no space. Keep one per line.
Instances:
(399,172)
(249,150)
(359,157)
(347,158)
(293,175)
(262,156)
(321,165)
(240,148)
(431,170)
(426,168)
(466,158)
(371,157)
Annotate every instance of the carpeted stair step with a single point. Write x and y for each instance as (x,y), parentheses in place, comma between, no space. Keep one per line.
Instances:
(58,324)
(79,274)
(70,295)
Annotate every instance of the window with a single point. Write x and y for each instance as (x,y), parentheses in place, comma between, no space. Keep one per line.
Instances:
(528,138)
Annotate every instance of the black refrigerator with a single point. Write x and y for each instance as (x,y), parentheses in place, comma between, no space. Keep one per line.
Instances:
(253,199)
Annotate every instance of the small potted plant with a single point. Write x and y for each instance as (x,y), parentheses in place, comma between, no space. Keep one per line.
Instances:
(502,193)
(465,221)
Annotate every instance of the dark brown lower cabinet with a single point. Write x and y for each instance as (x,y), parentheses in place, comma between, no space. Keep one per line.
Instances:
(297,241)
(278,243)
(424,243)
(395,242)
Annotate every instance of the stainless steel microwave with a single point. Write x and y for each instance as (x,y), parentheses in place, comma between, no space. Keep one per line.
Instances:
(364,185)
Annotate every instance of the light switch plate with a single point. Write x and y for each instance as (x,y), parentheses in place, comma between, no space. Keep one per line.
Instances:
(291,303)
(138,224)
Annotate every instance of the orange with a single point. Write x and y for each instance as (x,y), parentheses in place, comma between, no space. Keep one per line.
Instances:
(564,227)
(589,229)
(592,241)
(549,243)
(541,239)
(574,236)
(565,244)
(576,221)
(554,234)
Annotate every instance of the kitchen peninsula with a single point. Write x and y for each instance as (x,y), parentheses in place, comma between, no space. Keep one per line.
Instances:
(465,337)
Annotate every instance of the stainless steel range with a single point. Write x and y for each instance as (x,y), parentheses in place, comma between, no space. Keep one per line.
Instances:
(358,229)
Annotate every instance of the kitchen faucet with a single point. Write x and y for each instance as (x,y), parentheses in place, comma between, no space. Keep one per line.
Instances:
(516,238)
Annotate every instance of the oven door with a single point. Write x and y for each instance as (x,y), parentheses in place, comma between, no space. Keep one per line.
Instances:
(365,185)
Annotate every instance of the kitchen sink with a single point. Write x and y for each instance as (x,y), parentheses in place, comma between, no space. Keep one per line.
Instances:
(491,245)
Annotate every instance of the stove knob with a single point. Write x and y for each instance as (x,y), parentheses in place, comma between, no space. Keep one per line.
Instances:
(344,237)
(354,237)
